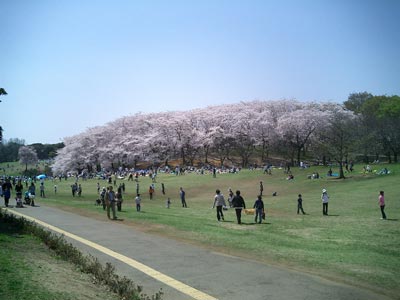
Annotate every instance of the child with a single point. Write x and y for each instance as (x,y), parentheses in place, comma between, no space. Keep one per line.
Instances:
(168,202)
(300,205)
(137,201)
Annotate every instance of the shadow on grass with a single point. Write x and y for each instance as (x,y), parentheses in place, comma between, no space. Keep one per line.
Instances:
(392,220)
(255,224)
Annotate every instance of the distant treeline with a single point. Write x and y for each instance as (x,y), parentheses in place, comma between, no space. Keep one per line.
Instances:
(9,150)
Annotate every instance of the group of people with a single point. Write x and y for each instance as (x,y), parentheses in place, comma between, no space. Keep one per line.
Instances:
(237,202)
(6,188)
(112,201)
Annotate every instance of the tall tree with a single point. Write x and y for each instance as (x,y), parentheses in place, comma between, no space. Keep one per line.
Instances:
(2,92)
(382,116)
(27,155)
(338,136)
(355,101)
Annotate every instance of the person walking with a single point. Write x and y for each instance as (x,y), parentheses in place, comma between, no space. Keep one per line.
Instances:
(230,197)
(239,204)
(7,187)
(219,202)
(18,191)
(182,194)
(137,201)
(381,201)
(261,188)
(32,193)
(300,205)
(325,200)
(259,209)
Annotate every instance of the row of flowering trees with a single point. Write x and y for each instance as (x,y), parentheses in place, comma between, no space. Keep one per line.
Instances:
(245,132)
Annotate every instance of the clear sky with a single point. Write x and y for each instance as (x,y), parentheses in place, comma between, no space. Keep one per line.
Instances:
(72,64)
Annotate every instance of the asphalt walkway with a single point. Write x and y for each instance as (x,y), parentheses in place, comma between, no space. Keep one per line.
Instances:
(185,271)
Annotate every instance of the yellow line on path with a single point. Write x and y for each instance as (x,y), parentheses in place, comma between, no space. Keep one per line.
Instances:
(180,286)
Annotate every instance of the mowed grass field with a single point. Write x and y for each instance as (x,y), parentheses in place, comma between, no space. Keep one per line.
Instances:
(351,245)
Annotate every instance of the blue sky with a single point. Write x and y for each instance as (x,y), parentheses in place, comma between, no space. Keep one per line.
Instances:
(68,65)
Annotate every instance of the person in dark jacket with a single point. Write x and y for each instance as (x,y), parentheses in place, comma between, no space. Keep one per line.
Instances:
(238,204)
(259,209)
(300,205)
(7,187)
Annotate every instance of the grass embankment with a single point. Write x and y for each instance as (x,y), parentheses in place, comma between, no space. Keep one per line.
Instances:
(29,270)
(350,245)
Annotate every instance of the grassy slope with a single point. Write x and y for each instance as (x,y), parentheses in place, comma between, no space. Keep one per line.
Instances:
(351,245)
(29,270)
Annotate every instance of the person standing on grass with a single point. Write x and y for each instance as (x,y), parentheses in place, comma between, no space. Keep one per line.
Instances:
(112,200)
(182,194)
(261,188)
(107,201)
(381,201)
(137,201)
(325,200)
(238,204)
(259,209)
(42,195)
(163,188)
(230,197)
(300,205)
(151,192)
(219,202)
(79,190)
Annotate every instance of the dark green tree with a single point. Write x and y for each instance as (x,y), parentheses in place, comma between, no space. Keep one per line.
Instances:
(381,115)
(2,92)
(355,101)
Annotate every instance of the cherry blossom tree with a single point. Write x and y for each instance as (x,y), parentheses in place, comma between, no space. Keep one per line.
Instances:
(223,133)
(297,127)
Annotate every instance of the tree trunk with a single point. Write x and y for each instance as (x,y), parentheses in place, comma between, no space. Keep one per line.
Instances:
(341,172)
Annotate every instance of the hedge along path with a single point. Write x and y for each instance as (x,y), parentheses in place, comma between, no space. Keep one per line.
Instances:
(180,286)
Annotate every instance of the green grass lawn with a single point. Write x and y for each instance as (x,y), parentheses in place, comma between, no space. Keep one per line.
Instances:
(352,244)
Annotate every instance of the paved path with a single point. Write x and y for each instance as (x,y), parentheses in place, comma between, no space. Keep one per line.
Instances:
(185,271)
